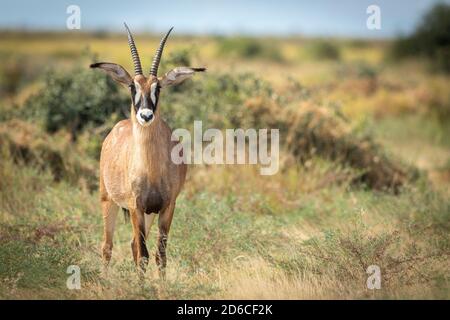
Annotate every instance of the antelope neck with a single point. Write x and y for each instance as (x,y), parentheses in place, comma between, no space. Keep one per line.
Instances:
(146,141)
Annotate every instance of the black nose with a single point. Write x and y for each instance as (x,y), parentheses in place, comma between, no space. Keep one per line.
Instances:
(147,118)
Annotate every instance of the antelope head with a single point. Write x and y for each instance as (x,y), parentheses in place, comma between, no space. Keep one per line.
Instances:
(144,91)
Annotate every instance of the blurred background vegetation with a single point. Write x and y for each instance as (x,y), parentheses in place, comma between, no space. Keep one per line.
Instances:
(364,174)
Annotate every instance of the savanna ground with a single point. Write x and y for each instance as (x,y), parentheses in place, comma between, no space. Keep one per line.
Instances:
(363,180)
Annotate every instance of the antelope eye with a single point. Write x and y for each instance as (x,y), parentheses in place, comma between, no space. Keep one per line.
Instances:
(132,89)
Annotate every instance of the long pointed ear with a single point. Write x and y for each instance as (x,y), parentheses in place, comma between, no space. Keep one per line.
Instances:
(117,72)
(178,75)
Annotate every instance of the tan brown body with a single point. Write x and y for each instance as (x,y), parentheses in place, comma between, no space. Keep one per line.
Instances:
(145,155)
(136,173)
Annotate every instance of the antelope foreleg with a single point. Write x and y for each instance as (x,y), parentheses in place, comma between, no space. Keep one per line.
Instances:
(140,253)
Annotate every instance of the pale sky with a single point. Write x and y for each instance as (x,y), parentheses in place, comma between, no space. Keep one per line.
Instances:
(345,18)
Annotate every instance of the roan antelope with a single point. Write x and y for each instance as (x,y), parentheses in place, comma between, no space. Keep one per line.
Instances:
(136,171)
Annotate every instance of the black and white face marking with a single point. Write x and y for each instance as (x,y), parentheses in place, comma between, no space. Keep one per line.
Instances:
(154,93)
(145,105)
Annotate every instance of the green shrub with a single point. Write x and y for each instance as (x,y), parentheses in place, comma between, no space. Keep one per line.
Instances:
(431,39)
(249,48)
(324,50)
(216,99)
(176,58)
(77,99)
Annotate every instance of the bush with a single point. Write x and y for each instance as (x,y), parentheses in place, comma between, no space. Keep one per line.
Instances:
(327,133)
(77,99)
(24,143)
(324,50)
(249,48)
(216,99)
(431,39)
(306,129)
(176,58)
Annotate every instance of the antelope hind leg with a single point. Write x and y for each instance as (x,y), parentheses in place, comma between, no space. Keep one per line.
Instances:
(164,222)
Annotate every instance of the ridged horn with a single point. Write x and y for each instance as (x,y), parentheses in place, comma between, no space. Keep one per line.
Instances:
(158,54)
(134,52)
